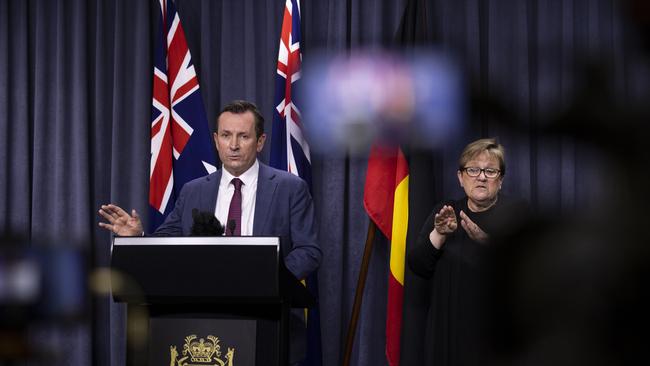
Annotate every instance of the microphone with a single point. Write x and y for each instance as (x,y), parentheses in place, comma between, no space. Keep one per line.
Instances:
(205,224)
(231,226)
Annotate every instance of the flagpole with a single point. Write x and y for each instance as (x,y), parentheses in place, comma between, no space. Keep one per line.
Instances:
(358,295)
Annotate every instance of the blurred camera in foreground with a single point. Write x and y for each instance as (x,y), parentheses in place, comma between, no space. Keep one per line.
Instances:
(41,284)
(352,100)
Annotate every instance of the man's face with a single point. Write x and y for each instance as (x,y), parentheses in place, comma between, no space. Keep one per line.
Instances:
(236,141)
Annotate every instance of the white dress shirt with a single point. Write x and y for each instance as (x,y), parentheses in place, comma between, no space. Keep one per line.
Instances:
(248,194)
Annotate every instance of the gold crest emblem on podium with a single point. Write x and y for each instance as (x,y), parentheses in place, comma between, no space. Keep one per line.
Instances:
(201,352)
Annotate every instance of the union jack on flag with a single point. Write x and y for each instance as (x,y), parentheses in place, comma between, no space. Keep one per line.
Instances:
(289,148)
(181,148)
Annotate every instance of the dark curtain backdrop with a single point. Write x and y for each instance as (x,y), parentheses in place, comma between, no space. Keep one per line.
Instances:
(75,94)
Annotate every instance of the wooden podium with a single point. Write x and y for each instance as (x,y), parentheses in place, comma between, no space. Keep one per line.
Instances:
(205,300)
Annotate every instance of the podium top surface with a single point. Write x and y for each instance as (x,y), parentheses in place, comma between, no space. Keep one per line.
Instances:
(196,240)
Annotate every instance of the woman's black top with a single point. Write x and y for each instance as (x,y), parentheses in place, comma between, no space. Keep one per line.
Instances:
(454,330)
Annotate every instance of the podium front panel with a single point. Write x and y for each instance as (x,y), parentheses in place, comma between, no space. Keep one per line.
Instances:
(203,335)
(202,341)
(204,300)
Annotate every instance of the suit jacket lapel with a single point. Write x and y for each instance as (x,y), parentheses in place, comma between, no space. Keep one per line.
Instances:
(209,195)
(266,185)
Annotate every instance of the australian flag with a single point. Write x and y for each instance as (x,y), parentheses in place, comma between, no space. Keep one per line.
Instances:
(181,147)
(289,148)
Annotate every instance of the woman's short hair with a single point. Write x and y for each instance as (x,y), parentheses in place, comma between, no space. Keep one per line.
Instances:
(476,148)
(242,106)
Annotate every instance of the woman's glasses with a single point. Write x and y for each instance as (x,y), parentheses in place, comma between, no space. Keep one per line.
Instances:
(475,172)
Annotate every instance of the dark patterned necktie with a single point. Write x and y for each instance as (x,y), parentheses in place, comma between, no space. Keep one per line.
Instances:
(233,226)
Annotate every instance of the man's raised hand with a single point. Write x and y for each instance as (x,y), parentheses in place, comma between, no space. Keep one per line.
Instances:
(119,221)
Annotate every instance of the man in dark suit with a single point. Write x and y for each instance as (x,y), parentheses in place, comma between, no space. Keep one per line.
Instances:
(270,202)
(274,202)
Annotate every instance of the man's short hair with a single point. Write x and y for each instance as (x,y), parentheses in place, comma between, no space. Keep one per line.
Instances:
(242,106)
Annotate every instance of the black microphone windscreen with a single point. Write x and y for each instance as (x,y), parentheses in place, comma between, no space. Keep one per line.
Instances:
(205,224)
